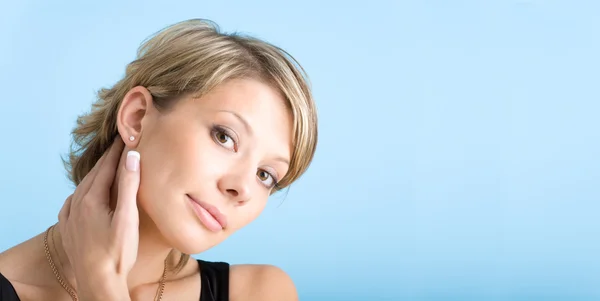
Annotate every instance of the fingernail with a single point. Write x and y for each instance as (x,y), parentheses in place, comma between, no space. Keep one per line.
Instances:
(133,161)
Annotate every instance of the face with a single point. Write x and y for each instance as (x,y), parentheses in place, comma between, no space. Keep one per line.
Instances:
(208,165)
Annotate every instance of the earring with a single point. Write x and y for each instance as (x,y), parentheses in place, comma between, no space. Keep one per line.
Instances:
(131,138)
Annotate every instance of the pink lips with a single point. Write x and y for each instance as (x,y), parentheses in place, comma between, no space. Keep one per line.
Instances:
(209,215)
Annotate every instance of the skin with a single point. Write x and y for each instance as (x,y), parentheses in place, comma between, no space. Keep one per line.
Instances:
(231,166)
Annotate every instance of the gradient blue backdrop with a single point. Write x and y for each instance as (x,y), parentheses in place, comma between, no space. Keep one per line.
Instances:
(458,155)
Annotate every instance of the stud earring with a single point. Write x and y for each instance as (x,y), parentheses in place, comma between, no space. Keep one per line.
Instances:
(131,138)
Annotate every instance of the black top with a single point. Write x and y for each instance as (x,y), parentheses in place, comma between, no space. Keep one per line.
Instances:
(214,277)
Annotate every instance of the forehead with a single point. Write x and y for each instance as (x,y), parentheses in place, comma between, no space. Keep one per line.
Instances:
(247,96)
(263,106)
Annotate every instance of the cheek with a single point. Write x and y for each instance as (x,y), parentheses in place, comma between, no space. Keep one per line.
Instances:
(178,162)
(249,213)
(168,154)
(162,159)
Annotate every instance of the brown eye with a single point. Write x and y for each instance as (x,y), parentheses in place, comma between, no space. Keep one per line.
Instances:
(267,179)
(263,175)
(224,138)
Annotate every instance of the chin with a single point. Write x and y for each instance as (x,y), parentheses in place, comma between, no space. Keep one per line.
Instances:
(192,242)
(182,230)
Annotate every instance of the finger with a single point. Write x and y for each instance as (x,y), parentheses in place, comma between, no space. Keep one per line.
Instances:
(106,172)
(86,183)
(63,215)
(128,188)
(64,212)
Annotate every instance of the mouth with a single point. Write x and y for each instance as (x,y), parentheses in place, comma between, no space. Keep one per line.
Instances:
(209,215)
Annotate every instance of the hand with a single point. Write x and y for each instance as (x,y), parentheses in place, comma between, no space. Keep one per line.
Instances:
(101,244)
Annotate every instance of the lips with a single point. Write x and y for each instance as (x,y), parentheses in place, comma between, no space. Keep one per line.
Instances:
(209,215)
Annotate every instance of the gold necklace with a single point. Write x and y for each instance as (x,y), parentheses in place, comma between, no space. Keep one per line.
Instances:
(70,290)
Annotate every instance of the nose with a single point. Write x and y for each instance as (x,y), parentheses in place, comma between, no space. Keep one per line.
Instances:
(236,188)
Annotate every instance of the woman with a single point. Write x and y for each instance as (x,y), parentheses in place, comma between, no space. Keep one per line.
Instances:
(171,160)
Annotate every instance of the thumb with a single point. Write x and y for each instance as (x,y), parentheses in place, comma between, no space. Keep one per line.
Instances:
(129,183)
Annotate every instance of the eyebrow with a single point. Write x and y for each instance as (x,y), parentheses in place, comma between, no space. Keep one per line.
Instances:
(241,119)
(283,160)
(249,129)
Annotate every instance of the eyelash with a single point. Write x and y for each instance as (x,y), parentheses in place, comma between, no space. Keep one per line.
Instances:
(217,129)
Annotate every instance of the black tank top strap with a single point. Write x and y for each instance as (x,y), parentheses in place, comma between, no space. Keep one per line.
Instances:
(215,280)
(7,291)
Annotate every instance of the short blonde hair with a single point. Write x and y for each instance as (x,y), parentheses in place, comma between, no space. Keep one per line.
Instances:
(191,58)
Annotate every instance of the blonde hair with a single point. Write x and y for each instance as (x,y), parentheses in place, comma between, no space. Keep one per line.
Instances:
(191,58)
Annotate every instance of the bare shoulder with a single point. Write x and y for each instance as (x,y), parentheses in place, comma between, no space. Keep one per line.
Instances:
(24,266)
(15,261)
(261,282)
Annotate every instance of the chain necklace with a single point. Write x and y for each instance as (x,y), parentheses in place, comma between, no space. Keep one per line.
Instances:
(70,290)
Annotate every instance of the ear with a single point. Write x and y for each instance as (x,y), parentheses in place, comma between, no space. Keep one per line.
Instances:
(134,108)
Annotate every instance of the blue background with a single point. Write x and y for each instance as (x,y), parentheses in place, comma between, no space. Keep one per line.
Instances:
(458,155)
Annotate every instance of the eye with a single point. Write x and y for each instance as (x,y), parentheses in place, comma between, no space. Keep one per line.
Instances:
(223,137)
(267,178)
